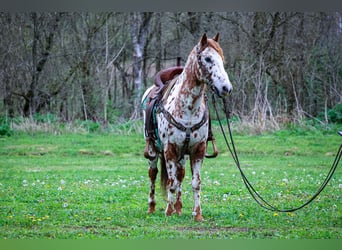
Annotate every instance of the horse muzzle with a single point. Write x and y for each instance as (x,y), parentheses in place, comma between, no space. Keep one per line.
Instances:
(223,90)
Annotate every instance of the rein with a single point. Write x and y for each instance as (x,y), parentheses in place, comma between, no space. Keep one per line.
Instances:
(256,196)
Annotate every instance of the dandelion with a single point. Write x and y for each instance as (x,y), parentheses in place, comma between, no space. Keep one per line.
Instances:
(241,215)
(216,183)
(275,214)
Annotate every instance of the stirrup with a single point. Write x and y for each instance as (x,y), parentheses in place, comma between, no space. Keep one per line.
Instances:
(150,150)
(215,151)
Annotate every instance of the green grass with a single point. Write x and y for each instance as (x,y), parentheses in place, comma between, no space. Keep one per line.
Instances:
(96,186)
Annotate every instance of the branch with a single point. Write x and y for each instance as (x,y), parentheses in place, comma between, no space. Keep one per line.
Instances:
(116,56)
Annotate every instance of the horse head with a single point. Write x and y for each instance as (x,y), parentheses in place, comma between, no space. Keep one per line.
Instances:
(211,70)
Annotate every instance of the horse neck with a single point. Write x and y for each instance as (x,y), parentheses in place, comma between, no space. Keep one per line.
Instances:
(189,104)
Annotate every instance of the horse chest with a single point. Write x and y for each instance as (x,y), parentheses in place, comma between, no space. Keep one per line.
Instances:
(168,133)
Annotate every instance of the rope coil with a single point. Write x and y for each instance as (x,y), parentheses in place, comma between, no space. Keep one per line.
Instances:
(256,196)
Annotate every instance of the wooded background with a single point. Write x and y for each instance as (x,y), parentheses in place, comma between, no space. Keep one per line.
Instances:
(284,66)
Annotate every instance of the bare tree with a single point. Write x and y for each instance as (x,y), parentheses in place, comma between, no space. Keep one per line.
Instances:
(139,30)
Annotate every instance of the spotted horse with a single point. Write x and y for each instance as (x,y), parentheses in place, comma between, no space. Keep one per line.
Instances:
(180,113)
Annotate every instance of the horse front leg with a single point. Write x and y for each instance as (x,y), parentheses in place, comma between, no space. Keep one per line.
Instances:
(196,160)
(196,188)
(180,173)
(152,173)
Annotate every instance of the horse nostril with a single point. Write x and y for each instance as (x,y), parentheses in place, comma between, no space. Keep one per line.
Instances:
(226,90)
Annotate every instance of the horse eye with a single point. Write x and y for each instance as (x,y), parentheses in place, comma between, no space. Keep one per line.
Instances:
(208,60)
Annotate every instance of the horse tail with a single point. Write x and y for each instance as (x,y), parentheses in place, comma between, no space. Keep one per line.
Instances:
(163,176)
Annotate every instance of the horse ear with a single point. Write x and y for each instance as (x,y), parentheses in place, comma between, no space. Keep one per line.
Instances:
(216,37)
(204,40)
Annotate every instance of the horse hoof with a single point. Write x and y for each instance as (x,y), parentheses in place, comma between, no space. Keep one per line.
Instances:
(178,207)
(151,210)
(199,218)
(169,211)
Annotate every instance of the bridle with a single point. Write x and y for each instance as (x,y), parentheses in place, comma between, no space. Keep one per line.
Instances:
(188,129)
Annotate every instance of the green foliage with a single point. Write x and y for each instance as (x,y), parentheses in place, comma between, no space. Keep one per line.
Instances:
(45,118)
(335,114)
(90,126)
(5,128)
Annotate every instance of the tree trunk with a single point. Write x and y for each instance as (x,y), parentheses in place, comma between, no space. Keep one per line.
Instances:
(32,98)
(139,30)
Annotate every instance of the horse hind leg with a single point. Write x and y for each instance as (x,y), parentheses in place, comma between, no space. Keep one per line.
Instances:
(152,173)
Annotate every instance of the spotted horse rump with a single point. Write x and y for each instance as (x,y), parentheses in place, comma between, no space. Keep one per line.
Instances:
(182,125)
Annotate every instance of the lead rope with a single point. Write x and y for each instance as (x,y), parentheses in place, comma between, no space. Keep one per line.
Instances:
(256,196)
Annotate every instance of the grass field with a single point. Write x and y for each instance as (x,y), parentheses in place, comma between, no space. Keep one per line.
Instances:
(96,186)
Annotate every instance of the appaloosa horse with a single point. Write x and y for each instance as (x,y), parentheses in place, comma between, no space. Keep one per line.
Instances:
(182,118)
